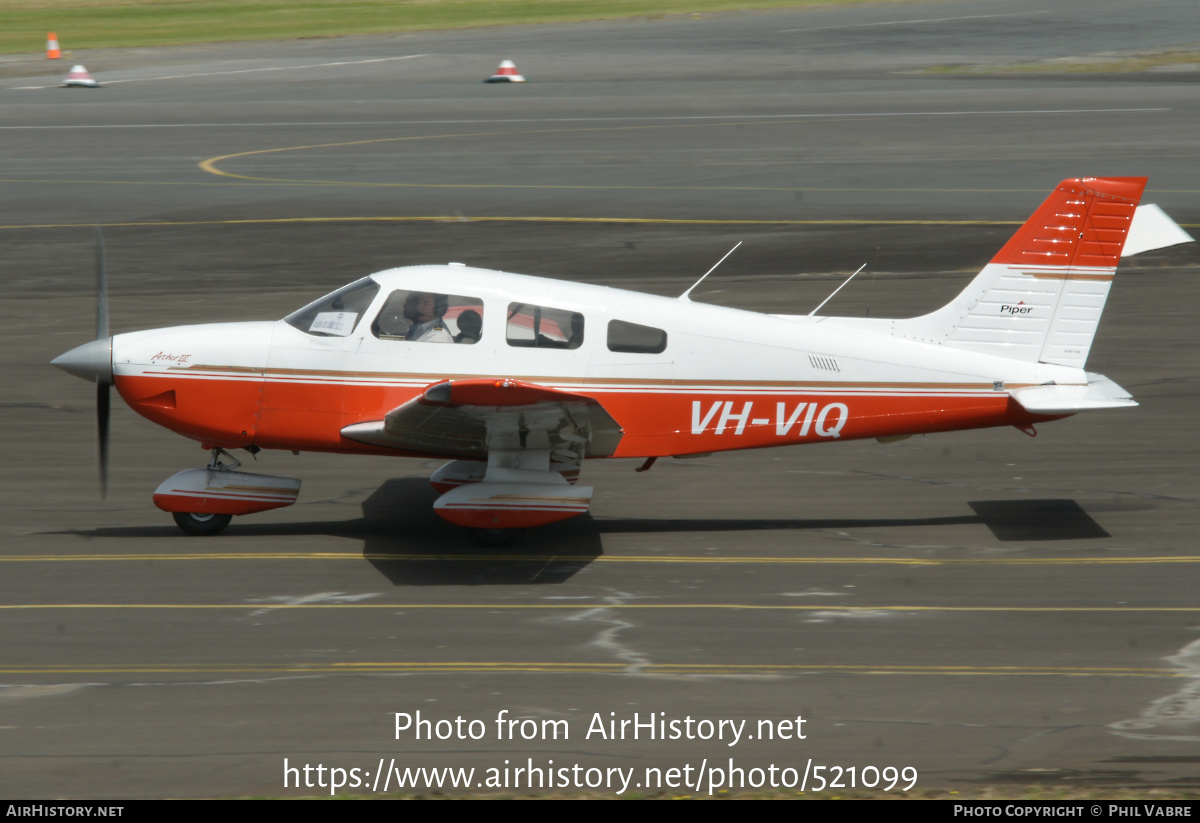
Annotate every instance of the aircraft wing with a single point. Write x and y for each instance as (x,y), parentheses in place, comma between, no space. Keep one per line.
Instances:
(469,418)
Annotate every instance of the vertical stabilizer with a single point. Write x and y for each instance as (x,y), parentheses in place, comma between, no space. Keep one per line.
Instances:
(1041,296)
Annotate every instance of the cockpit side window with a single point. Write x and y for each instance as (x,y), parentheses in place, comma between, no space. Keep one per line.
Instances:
(637,339)
(337,314)
(428,317)
(543,327)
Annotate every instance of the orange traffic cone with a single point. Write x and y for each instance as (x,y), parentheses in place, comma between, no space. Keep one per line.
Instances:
(53,52)
(507,73)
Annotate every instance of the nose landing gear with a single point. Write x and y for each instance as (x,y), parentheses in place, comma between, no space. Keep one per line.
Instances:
(202,525)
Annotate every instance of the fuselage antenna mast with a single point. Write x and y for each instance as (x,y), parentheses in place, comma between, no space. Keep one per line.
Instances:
(835,291)
(684,296)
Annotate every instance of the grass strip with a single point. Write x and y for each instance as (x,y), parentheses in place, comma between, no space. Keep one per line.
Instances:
(94,24)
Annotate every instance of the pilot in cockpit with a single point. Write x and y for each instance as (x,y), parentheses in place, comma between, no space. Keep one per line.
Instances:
(425,311)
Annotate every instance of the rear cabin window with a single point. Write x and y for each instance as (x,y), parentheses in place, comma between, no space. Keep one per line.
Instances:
(337,314)
(637,339)
(428,317)
(543,327)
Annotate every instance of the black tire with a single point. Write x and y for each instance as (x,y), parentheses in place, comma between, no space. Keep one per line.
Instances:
(496,538)
(202,525)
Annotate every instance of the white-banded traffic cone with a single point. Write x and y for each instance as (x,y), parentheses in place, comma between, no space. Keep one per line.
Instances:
(79,78)
(507,73)
(53,52)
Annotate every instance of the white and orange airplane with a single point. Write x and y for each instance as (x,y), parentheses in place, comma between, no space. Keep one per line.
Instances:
(516,380)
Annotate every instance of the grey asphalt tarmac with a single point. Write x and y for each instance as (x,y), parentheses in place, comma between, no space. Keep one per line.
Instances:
(986,608)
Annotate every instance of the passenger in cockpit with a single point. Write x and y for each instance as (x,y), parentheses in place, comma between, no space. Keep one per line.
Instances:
(576,338)
(469,326)
(425,310)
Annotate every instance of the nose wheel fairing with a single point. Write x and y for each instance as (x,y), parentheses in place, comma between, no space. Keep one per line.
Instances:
(223,491)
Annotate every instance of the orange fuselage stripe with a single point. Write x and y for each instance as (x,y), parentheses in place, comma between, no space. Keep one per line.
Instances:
(657,418)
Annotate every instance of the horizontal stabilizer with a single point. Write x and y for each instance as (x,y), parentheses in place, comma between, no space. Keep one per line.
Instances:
(1153,229)
(1099,393)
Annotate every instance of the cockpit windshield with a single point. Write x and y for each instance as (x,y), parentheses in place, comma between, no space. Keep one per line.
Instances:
(337,314)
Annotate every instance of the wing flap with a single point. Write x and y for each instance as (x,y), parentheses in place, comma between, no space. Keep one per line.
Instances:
(469,418)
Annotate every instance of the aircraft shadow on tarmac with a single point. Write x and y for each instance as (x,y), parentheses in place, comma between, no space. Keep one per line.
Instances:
(1037,520)
(411,546)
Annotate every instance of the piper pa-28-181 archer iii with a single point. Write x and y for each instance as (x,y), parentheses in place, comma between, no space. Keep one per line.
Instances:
(517,379)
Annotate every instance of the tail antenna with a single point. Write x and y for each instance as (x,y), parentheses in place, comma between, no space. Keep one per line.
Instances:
(835,291)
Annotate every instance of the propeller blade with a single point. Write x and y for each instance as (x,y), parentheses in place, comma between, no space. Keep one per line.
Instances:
(102,407)
(101,288)
(103,382)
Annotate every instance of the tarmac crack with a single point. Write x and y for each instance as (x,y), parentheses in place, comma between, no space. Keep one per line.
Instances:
(1005,749)
(1176,716)
(307,599)
(607,639)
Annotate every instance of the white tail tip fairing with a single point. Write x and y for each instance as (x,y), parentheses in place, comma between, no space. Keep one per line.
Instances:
(1152,229)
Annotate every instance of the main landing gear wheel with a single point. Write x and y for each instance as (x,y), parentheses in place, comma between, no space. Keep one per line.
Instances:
(496,538)
(202,525)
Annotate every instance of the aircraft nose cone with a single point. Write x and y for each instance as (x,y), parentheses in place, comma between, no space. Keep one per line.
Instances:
(91,361)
